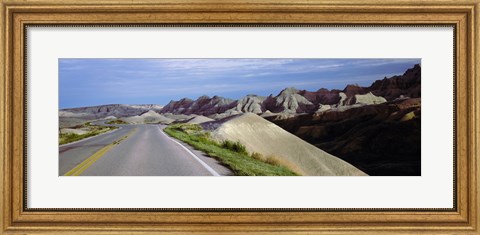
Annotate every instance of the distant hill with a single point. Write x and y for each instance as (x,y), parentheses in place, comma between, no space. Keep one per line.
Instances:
(288,101)
(293,101)
(148,117)
(103,111)
(75,116)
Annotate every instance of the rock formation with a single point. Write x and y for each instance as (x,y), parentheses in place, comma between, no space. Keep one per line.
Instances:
(293,101)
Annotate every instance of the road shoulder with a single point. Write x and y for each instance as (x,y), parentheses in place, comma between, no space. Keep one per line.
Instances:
(211,162)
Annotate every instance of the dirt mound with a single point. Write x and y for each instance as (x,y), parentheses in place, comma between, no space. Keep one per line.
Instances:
(262,136)
(199,119)
(148,117)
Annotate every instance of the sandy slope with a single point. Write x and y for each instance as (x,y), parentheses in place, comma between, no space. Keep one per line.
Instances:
(177,117)
(262,136)
(199,119)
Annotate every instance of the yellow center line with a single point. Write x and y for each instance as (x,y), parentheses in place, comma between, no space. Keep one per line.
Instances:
(92,159)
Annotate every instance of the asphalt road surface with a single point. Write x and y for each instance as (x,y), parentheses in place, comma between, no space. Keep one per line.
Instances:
(135,150)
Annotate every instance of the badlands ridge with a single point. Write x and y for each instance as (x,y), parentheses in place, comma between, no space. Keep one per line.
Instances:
(375,129)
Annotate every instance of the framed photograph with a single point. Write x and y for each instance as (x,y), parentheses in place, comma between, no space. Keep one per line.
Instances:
(242,117)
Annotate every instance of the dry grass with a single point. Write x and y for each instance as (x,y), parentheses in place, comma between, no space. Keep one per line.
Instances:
(277,161)
(258,156)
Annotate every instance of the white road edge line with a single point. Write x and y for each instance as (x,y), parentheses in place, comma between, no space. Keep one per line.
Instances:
(212,171)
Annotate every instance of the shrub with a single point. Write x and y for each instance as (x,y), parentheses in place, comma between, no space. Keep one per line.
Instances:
(202,134)
(117,121)
(234,146)
(188,128)
(207,140)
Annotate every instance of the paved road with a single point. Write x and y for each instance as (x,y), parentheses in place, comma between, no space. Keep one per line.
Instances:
(135,150)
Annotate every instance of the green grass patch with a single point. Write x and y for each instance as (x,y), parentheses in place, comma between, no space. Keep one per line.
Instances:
(117,121)
(83,125)
(232,154)
(234,146)
(65,138)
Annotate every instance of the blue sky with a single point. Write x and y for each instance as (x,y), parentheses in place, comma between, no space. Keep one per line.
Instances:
(88,82)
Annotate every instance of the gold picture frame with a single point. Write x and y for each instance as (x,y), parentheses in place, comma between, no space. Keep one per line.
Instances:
(464,15)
